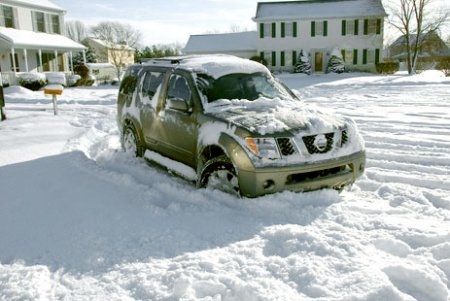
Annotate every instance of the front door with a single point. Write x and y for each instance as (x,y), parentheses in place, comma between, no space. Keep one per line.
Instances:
(318,62)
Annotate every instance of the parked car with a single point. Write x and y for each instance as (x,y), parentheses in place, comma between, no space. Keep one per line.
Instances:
(235,127)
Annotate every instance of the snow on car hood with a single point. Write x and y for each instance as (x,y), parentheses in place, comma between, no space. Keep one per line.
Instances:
(268,116)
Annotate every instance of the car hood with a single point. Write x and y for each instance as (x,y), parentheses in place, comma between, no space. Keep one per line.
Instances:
(268,116)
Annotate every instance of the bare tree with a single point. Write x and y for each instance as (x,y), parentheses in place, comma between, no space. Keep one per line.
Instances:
(76,30)
(416,20)
(119,39)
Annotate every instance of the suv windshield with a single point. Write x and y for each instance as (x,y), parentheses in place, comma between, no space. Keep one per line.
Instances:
(242,86)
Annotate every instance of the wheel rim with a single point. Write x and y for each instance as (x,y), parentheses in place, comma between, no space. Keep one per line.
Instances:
(224,180)
(129,142)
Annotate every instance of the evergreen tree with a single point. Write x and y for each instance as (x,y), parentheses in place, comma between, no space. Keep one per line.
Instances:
(336,62)
(303,64)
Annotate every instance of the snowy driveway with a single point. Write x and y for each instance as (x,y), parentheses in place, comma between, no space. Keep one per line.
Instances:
(79,220)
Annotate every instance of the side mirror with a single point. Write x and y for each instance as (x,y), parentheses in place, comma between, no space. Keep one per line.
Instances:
(178,104)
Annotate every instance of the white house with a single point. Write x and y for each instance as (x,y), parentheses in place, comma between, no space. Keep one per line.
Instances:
(32,38)
(318,27)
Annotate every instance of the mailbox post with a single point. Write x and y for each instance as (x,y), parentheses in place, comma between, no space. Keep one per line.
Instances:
(2,98)
(54,90)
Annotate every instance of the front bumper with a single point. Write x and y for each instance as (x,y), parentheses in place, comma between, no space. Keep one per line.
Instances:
(334,173)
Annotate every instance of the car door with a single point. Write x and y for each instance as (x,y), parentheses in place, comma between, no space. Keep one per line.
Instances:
(176,122)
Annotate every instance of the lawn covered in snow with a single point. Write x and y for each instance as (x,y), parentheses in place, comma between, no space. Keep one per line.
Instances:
(79,220)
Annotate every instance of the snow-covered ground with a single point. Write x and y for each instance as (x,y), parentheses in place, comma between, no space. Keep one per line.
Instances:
(79,220)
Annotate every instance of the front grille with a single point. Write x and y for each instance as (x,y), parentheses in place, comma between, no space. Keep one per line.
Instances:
(286,146)
(318,147)
(344,137)
(307,176)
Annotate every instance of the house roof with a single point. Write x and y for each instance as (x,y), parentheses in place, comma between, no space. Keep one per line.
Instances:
(14,38)
(108,45)
(318,9)
(439,49)
(225,42)
(33,3)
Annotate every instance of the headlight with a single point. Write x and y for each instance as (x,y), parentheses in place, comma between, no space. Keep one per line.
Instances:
(263,147)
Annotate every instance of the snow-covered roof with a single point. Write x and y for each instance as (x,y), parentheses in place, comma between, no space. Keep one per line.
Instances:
(108,45)
(33,3)
(237,41)
(314,9)
(15,38)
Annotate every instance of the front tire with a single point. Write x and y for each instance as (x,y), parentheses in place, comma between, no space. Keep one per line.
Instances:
(131,143)
(219,173)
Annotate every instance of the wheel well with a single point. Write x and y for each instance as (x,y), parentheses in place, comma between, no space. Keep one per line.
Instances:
(209,152)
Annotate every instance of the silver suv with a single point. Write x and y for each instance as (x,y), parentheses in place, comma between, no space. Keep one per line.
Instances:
(227,123)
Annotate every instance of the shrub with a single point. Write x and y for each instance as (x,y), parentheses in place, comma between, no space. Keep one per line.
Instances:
(83,71)
(32,80)
(387,67)
(444,65)
(72,80)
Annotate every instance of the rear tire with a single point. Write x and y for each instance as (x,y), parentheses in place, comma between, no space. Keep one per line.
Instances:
(219,173)
(131,143)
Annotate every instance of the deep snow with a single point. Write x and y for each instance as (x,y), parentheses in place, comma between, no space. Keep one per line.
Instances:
(79,220)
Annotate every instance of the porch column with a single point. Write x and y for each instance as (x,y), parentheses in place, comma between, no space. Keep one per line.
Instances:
(25,58)
(13,54)
(55,63)
(40,68)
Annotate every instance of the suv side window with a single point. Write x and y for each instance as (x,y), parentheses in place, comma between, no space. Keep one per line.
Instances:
(129,81)
(179,88)
(150,85)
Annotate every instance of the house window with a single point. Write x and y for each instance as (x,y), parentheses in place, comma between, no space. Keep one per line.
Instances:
(265,30)
(6,16)
(372,26)
(348,56)
(56,28)
(319,28)
(289,29)
(38,21)
(348,27)
(16,62)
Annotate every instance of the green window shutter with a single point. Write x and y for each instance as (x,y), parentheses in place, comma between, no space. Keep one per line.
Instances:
(313,28)
(355,57)
(274,58)
(366,27)
(282,59)
(261,30)
(283,29)
(274,30)
(261,55)
(356,27)
(377,56)
(364,56)
(378,26)
(294,58)
(294,29)
(344,27)
(325,28)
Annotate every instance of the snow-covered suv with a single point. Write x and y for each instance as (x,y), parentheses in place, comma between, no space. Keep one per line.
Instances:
(227,123)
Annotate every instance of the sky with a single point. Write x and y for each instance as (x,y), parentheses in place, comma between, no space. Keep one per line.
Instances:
(173,21)
(165,21)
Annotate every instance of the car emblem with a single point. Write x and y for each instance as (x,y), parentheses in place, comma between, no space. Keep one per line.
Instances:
(320,142)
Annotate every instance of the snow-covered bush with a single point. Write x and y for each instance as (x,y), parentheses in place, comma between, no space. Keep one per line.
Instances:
(72,80)
(32,80)
(336,62)
(388,67)
(444,65)
(303,64)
